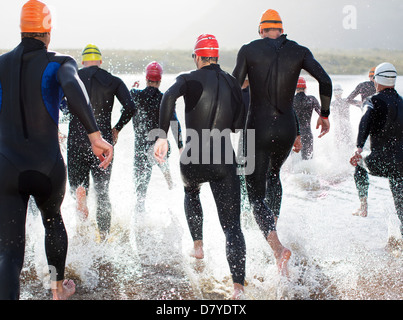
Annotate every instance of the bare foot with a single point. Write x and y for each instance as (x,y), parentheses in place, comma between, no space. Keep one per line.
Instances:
(394,244)
(281,253)
(197,252)
(82,208)
(363,210)
(238,292)
(64,290)
(282,262)
(360,213)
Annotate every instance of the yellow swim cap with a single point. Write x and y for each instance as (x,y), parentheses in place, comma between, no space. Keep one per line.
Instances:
(91,53)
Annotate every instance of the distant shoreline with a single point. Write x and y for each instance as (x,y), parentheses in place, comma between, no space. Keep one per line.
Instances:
(335,62)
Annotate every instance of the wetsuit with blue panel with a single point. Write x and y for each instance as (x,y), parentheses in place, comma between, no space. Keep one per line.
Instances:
(33,82)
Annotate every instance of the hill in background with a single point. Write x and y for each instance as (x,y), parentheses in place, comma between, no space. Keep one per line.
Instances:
(341,62)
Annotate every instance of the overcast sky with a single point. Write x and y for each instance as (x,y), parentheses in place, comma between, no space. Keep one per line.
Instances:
(175,24)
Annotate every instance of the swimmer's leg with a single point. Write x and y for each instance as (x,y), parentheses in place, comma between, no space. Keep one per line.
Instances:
(79,176)
(396,186)
(13,209)
(12,244)
(104,207)
(56,240)
(362,184)
(142,170)
(194,216)
(264,216)
(228,201)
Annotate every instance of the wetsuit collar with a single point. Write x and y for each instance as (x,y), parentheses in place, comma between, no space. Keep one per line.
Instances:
(277,42)
(31,44)
(389,91)
(151,91)
(213,66)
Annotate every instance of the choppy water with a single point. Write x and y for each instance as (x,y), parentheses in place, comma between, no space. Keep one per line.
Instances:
(336,256)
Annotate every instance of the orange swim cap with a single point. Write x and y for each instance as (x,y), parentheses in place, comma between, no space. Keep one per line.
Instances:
(35,17)
(271,19)
(372,72)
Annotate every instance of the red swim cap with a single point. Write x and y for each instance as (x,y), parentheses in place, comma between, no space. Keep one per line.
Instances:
(35,17)
(301,83)
(153,71)
(206,46)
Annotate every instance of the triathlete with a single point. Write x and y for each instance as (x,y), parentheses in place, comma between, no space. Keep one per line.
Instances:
(341,124)
(213,108)
(147,103)
(304,106)
(273,65)
(33,82)
(383,123)
(102,88)
(365,89)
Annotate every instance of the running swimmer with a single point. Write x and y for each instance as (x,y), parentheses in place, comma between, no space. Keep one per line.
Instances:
(304,106)
(364,89)
(147,103)
(33,82)
(213,108)
(383,123)
(340,110)
(273,65)
(102,88)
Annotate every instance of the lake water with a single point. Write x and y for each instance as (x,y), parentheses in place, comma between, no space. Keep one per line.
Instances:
(336,256)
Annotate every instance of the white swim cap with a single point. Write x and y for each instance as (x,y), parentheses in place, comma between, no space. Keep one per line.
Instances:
(337,88)
(385,74)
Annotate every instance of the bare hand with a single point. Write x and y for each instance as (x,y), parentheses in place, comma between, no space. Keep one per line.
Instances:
(101,148)
(297,145)
(160,149)
(325,124)
(356,158)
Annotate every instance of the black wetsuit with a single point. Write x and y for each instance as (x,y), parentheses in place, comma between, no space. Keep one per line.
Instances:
(304,106)
(365,89)
(213,100)
(147,103)
(102,88)
(383,123)
(273,68)
(33,82)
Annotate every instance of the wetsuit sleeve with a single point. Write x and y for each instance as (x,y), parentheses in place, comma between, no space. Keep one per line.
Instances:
(315,104)
(76,94)
(129,108)
(240,69)
(356,92)
(374,119)
(325,83)
(167,107)
(365,124)
(240,112)
(297,123)
(177,131)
